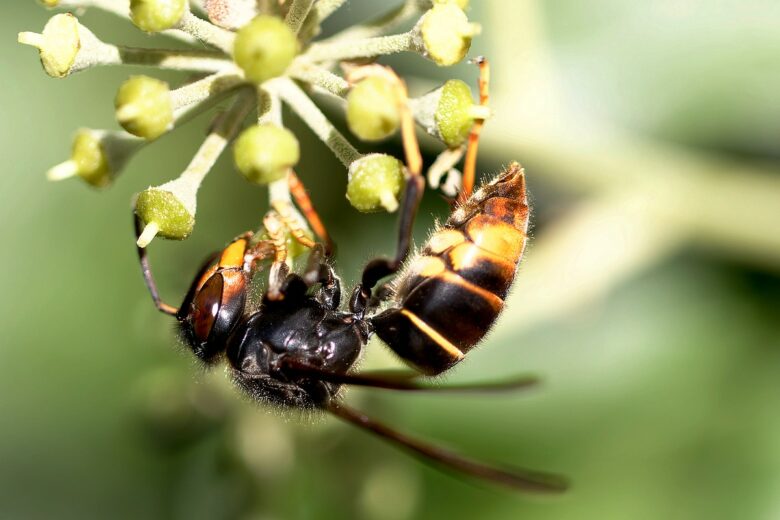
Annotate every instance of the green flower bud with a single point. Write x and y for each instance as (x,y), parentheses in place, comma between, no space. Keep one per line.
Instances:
(50,3)
(448,113)
(157,15)
(372,109)
(66,46)
(445,33)
(144,107)
(264,48)
(167,211)
(264,153)
(59,44)
(97,156)
(375,182)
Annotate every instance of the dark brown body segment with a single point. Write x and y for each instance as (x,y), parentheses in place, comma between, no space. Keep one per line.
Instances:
(216,300)
(452,293)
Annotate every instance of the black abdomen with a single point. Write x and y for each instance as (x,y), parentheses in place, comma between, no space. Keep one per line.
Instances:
(452,293)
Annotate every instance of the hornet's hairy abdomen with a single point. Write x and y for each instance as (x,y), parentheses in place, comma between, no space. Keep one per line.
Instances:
(450,296)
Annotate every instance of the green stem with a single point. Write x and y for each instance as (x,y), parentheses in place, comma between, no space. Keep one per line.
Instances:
(200,90)
(196,61)
(315,119)
(386,23)
(207,32)
(298,12)
(320,77)
(225,128)
(269,107)
(339,50)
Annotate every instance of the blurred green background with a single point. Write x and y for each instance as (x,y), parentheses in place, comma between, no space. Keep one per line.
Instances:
(648,300)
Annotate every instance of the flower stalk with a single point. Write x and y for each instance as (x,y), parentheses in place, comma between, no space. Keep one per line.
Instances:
(262,53)
(297,14)
(206,32)
(169,210)
(305,108)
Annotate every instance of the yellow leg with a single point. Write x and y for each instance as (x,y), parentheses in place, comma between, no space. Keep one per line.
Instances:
(277,234)
(285,211)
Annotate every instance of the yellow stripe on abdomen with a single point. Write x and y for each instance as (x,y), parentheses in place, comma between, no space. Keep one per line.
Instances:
(433,334)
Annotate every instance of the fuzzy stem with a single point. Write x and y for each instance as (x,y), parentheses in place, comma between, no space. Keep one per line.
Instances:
(297,14)
(315,119)
(185,101)
(385,23)
(200,90)
(320,77)
(325,8)
(224,130)
(368,48)
(279,192)
(197,61)
(322,9)
(269,107)
(206,32)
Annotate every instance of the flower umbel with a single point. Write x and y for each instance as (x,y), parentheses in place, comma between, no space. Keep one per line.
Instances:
(263,55)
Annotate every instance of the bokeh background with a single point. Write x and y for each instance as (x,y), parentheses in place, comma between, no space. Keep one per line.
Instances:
(648,299)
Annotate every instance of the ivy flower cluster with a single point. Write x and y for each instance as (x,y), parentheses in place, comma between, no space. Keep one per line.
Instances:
(260,54)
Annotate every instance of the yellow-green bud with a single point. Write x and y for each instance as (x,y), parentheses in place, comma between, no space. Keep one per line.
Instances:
(264,48)
(448,113)
(163,213)
(58,44)
(372,109)
(66,46)
(97,156)
(445,32)
(264,153)
(144,107)
(157,15)
(50,3)
(375,182)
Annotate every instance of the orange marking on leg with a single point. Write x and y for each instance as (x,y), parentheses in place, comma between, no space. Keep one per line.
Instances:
(303,201)
(470,163)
